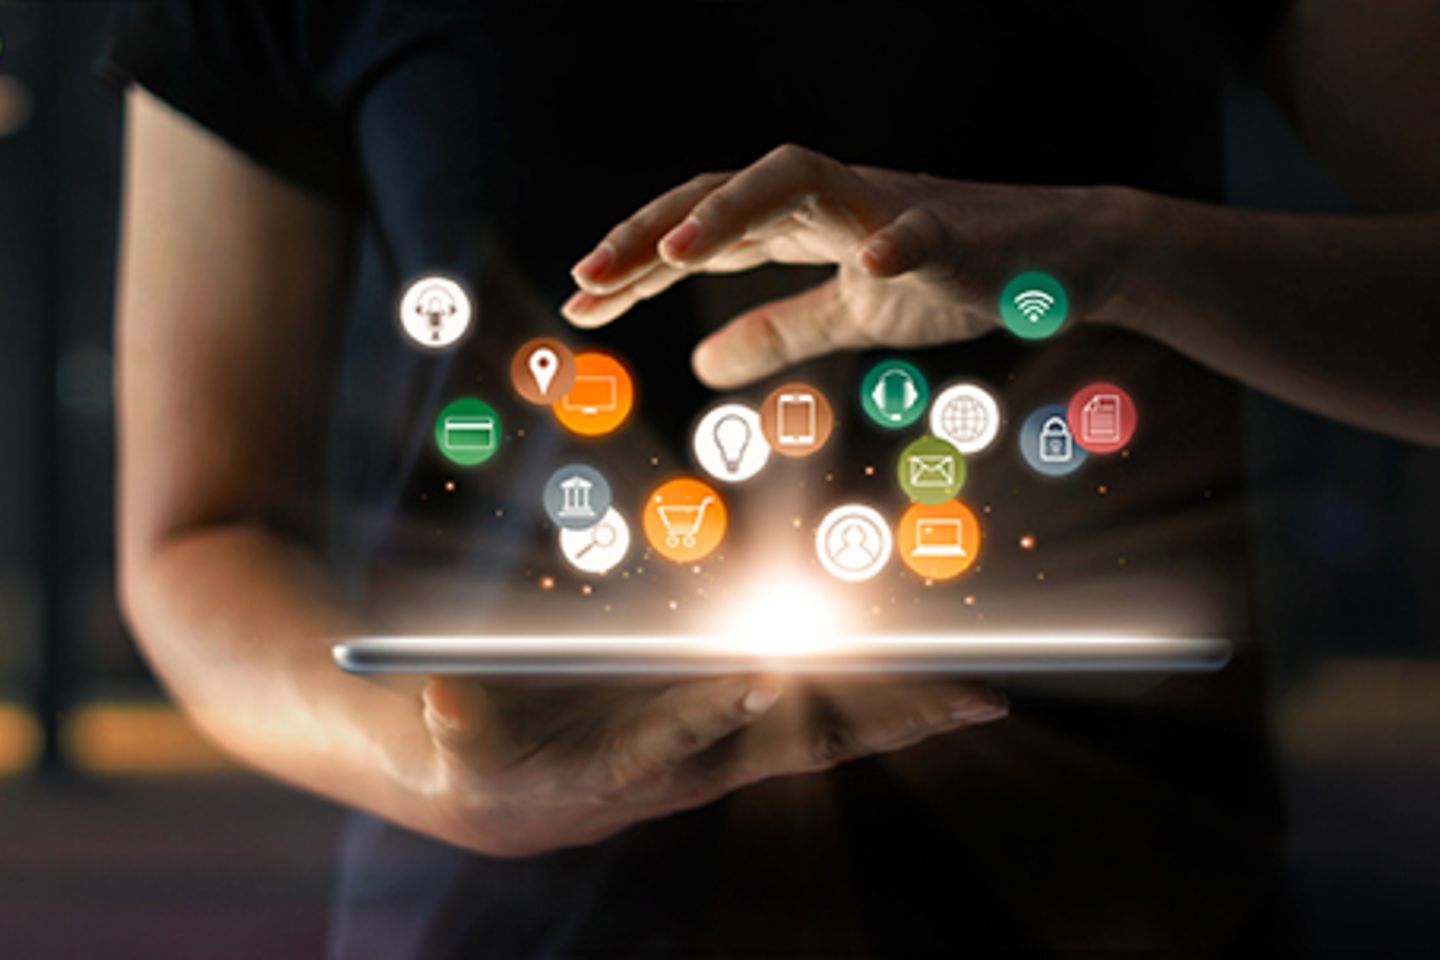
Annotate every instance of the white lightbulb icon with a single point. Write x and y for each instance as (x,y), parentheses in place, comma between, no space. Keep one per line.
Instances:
(732,437)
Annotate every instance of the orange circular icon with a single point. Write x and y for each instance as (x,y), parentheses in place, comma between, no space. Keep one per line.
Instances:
(938,541)
(684,519)
(599,400)
(796,419)
(543,370)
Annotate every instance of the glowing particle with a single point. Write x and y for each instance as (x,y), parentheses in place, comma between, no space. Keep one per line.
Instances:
(985,508)
(829,478)
(695,569)
(970,600)
(519,431)
(1102,489)
(795,522)
(929,582)
(1124,454)
(449,486)
(499,512)
(586,589)
(674,604)
(1027,542)
(547,582)
(1040,575)
(1120,561)
(654,461)
(870,470)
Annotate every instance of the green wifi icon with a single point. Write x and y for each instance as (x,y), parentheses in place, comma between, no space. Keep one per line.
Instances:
(1034,305)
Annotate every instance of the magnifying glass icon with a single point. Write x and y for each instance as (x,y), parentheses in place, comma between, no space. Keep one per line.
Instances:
(602,535)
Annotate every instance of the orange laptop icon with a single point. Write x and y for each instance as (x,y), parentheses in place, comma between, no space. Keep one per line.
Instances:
(938,541)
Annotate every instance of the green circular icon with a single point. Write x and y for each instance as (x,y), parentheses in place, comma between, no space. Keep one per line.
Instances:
(931,470)
(894,394)
(468,431)
(1034,305)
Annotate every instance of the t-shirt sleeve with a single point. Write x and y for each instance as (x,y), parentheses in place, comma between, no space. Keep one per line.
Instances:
(245,70)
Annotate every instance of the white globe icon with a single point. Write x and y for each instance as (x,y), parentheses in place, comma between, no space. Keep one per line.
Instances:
(967,415)
(965,419)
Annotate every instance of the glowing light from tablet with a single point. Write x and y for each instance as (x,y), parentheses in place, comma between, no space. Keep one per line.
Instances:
(784,617)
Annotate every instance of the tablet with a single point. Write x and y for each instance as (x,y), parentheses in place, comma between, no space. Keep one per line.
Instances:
(959,654)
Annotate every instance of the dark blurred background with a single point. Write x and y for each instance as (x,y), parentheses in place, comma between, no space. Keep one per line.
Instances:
(123,834)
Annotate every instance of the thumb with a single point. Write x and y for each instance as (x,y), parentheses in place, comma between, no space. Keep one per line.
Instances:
(460,716)
(776,335)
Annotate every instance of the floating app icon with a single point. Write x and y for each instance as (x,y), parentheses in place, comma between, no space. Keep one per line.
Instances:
(684,519)
(1047,445)
(576,496)
(729,443)
(467,432)
(894,394)
(1102,418)
(600,547)
(796,419)
(1034,306)
(542,371)
(599,400)
(939,541)
(931,470)
(967,415)
(435,312)
(853,542)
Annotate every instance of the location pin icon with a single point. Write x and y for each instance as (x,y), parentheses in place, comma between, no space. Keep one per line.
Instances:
(543,366)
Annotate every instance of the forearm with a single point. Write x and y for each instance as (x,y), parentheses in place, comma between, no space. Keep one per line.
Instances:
(1336,315)
(239,621)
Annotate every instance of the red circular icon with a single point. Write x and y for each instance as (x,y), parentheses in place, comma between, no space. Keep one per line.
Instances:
(1102,418)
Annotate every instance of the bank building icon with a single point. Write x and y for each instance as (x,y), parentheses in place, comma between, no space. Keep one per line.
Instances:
(576,491)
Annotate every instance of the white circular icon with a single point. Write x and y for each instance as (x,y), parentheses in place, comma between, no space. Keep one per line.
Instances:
(854,542)
(598,548)
(435,312)
(729,443)
(967,415)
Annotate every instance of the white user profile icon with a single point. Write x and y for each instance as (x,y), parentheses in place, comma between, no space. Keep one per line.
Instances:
(967,415)
(435,312)
(729,443)
(598,548)
(854,542)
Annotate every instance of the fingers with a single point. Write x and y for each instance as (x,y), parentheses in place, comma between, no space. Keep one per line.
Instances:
(685,720)
(776,335)
(776,186)
(856,721)
(461,717)
(914,241)
(629,250)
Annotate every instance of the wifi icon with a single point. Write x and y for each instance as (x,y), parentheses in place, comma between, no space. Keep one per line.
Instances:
(1033,305)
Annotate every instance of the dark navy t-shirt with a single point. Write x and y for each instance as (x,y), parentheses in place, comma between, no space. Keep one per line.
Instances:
(497,144)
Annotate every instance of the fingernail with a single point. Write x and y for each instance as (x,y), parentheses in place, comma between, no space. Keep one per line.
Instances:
(978,711)
(579,302)
(596,262)
(677,241)
(759,700)
(876,252)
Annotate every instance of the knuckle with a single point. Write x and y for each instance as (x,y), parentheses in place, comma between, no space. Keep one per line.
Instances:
(791,153)
(705,181)
(835,745)
(717,208)
(627,234)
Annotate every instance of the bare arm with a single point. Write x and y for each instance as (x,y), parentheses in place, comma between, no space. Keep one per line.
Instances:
(226,320)
(225,314)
